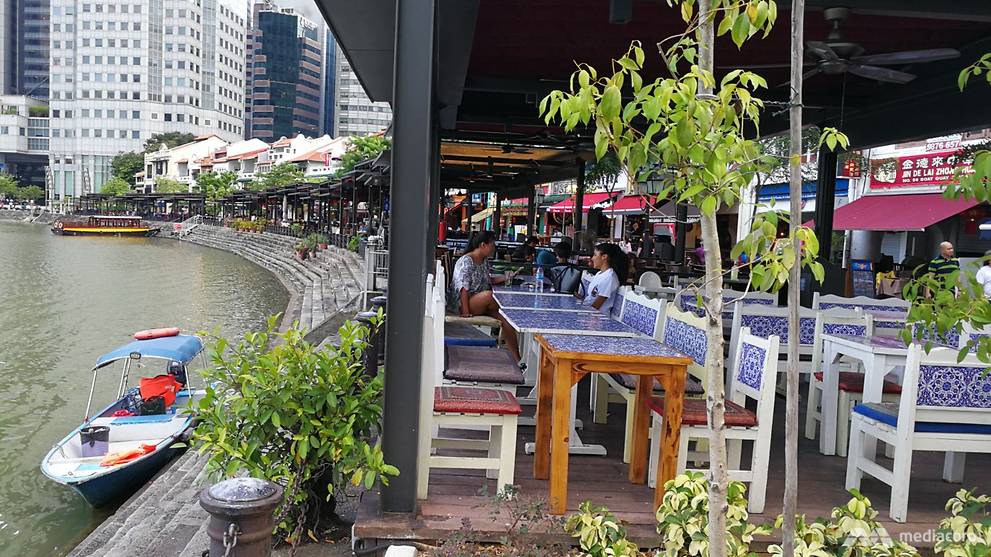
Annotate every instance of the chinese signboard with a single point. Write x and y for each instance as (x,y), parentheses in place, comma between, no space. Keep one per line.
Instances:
(930,169)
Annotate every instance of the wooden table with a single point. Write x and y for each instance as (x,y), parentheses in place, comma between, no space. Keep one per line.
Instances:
(565,360)
(878,354)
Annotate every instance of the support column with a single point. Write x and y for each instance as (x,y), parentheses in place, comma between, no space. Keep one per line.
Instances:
(825,200)
(412,149)
(497,216)
(433,221)
(680,231)
(531,212)
(579,202)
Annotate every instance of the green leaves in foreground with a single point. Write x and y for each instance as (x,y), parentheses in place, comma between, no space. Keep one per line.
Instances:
(294,415)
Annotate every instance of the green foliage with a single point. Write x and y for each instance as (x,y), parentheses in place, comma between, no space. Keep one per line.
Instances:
(217,186)
(30,193)
(116,186)
(168,185)
(683,518)
(296,229)
(599,533)
(604,171)
(354,242)
(294,415)
(967,531)
(38,111)
(9,186)
(852,531)
(169,139)
(981,66)
(126,165)
(282,174)
(362,148)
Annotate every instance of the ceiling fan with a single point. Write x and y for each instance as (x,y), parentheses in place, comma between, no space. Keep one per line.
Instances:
(837,56)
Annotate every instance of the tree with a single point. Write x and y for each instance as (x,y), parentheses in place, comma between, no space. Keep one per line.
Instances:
(30,193)
(169,139)
(116,186)
(217,186)
(126,165)
(168,185)
(8,186)
(282,174)
(362,148)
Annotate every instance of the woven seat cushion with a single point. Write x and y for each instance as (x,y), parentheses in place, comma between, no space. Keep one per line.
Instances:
(474,400)
(853,382)
(459,334)
(694,412)
(692,385)
(482,364)
(887,413)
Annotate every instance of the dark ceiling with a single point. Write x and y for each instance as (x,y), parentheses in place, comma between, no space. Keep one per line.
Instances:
(497,58)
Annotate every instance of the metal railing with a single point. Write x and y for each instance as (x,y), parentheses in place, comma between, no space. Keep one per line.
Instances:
(185,227)
(376,266)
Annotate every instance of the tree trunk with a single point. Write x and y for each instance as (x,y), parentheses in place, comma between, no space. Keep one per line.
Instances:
(794,281)
(715,399)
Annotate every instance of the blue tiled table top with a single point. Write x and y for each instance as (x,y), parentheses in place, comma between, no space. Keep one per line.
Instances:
(879,343)
(638,347)
(524,289)
(566,322)
(537,301)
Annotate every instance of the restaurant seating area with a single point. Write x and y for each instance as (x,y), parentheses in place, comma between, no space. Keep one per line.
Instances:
(486,424)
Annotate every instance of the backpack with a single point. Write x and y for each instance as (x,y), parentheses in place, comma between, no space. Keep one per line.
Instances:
(566,278)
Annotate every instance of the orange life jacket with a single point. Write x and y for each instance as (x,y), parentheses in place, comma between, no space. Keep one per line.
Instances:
(164,386)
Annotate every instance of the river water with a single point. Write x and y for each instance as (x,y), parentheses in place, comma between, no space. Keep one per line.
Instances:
(63,302)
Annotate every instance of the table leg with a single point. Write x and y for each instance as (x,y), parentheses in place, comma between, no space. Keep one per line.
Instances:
(829,400)
(545,397)
(875,370)
(560,432)
(641,430)
(674,405)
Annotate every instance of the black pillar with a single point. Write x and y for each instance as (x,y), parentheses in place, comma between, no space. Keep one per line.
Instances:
(579,202)
(470,213)
(433,222)
(497,216)
(680,230)
(531,212)
(825,201)
(413,139)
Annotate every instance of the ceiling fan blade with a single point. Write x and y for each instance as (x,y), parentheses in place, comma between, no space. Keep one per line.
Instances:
(909,56)
(806,75)
(878,73)
(822,51)
(759,66)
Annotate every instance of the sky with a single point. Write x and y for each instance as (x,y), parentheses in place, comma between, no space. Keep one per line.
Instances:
(307,7)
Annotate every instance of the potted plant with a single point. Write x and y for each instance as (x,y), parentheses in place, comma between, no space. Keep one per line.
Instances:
(260,225)
(296,229)
(302,250)
(323,240)
(311,243)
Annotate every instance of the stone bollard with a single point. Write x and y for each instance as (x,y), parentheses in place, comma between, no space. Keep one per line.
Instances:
(241,520)
(374,350)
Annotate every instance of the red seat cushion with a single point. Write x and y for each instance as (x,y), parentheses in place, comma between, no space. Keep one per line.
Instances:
(694,412)
(853,382)
(473,400)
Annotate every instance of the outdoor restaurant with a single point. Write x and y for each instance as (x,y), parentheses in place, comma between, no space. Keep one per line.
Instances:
(571,401)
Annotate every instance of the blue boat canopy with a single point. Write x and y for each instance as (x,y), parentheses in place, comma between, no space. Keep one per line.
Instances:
(180,348)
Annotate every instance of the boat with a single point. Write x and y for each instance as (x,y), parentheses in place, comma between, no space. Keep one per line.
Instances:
(101,225)
(115,451)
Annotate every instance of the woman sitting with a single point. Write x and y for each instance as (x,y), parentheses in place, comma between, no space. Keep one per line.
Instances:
(612,265)
(471,285)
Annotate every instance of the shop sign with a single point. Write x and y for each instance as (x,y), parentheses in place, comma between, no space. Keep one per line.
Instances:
(930,169)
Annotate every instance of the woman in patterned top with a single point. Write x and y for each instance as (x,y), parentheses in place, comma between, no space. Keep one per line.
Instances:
(471,285)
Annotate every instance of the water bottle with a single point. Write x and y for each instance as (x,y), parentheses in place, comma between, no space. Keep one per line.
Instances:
(540,279)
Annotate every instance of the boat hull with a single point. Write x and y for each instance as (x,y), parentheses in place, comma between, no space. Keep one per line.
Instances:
(125,480)
(139,232)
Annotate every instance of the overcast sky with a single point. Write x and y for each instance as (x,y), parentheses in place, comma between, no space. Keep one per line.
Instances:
(307,7)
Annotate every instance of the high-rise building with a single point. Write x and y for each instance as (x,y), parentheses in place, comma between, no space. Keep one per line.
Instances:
(330,82)
(286,74)
(24,47)
(24,138)
(354,112)
(124,71)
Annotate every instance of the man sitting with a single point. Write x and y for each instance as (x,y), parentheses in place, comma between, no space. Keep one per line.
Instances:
(565,277)
(527,251)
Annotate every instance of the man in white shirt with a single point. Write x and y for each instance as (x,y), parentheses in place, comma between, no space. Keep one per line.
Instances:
(984,275)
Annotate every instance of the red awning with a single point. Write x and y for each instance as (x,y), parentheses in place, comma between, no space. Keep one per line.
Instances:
(590,200)
(898,212)
(630,205)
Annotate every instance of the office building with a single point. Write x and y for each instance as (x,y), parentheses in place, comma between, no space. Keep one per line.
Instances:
(24,138)
(122,72)
(355,113)
(329,82)
(286,74)
(24,41)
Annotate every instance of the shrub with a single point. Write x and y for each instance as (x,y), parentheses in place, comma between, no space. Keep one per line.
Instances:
(967,531)
(294,415)
(599,533)
(296,229)
(353,243)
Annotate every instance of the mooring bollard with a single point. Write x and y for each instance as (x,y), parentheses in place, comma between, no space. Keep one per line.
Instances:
(374,350)
(241,520)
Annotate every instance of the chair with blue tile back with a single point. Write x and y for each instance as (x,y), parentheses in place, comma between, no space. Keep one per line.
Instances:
(945,407)
(851,382)
(831,301)
(752,378)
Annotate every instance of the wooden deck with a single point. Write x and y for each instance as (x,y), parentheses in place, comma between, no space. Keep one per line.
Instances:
(456,494)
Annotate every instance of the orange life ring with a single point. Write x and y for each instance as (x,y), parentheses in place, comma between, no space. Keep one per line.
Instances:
(148,334)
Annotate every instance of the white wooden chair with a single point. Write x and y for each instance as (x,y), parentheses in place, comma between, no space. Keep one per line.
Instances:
(851,383)
(945,406)
(453,407)
(831,301)
(753,377)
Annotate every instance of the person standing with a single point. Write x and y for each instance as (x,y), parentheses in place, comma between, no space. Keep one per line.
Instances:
(945,264)
(984,275)
(647,246)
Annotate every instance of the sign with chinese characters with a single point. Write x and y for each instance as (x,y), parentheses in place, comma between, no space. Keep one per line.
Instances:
(930,169)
